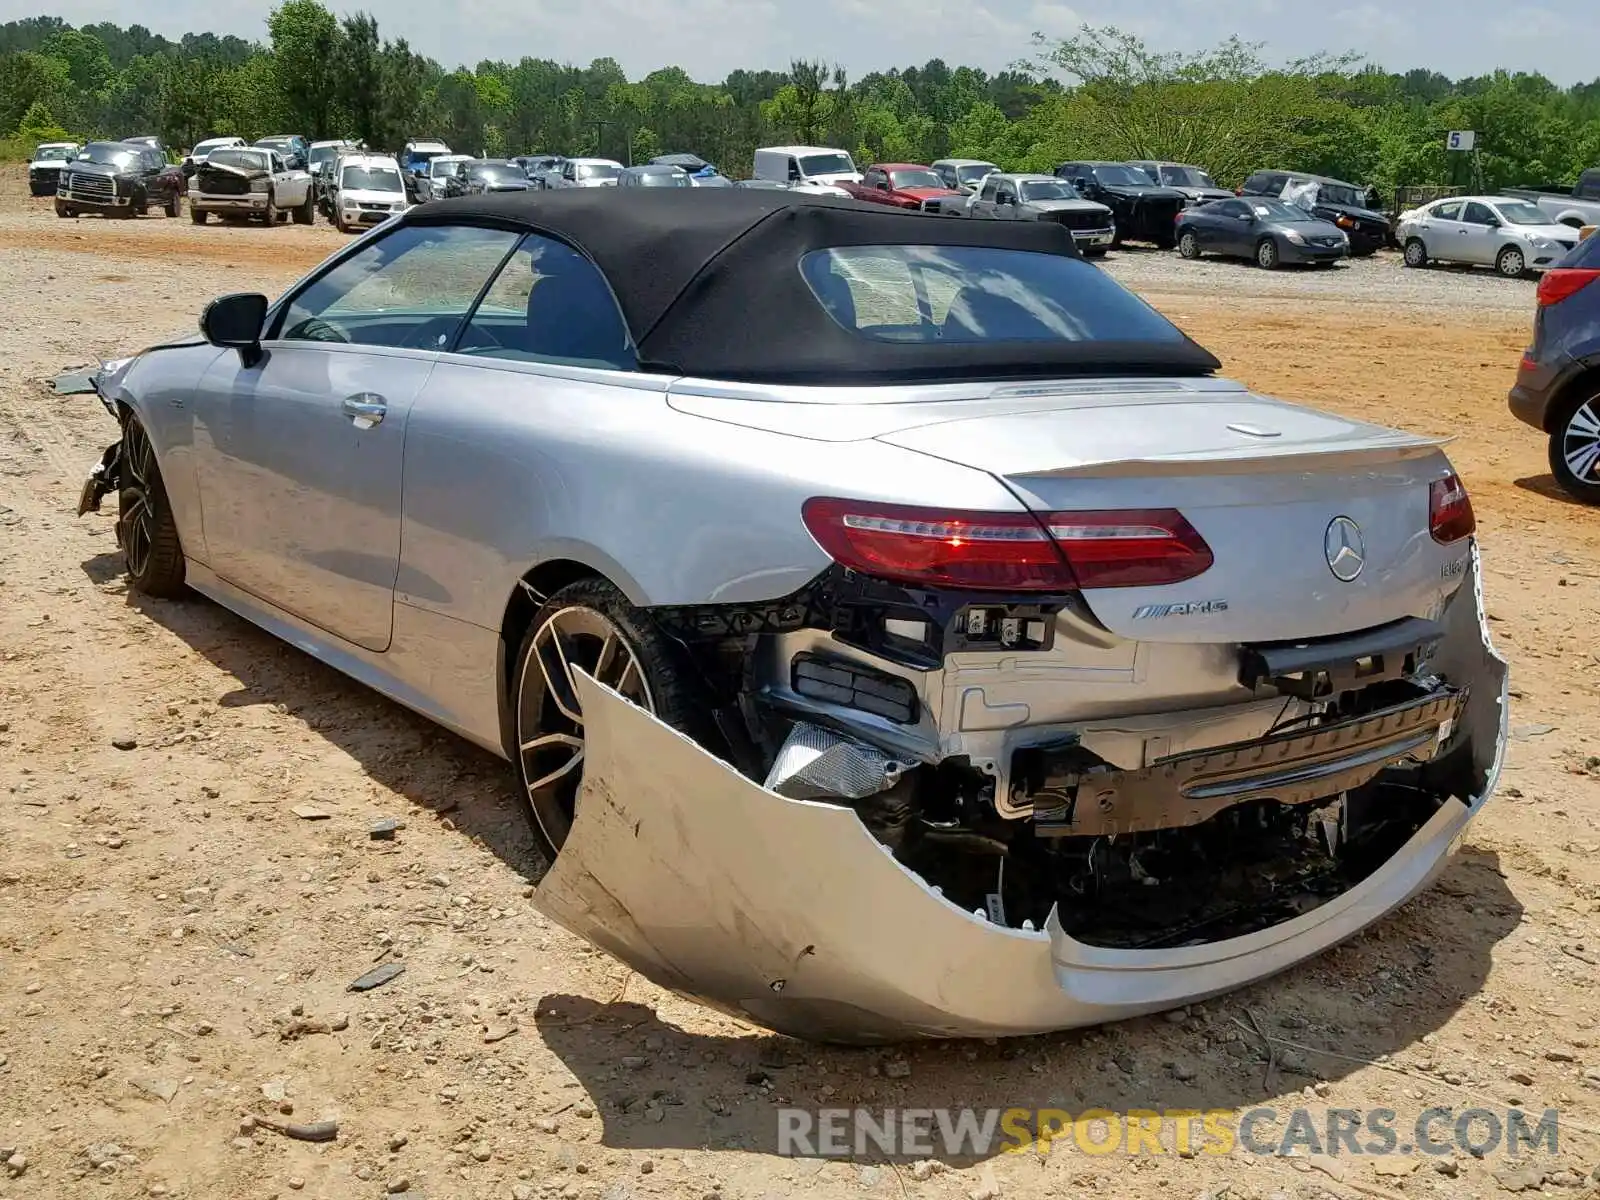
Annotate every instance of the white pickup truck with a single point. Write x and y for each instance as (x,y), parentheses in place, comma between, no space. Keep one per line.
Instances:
(250,182)
(1577,208)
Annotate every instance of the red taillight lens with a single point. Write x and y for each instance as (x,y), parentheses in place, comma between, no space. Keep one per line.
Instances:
(1344,223)
(933,547)
(1129,547)
(1450,516)
(1009,551)
(1556,285)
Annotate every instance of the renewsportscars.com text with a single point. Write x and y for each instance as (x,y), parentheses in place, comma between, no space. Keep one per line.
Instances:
(924,1132)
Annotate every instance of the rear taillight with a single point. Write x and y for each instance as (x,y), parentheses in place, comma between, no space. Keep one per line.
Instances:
(1450,516)
(1129,547)
(992,551)
(1557,284)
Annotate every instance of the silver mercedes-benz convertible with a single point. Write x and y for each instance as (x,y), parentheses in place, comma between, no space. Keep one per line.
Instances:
(897,627)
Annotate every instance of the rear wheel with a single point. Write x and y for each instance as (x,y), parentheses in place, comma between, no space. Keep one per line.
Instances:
(146,529)
(174,206)
(306,213)
(1575,446)
(1189,244)
(1267,254)
(591,626)
(1510,263)
(1416,254)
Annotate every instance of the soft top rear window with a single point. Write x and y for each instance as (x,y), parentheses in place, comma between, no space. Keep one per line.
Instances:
(967,294)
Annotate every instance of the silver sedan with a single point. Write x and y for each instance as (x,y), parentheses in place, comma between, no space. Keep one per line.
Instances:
(895,626)
(1512,236)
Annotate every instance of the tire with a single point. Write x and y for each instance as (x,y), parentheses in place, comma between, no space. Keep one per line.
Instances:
(1094,252)
(1267,257)
(1166,241)
(1575,445)
(174,205)
(1416,253)
(270,217)
(1188,245)
(1511,263)
(590,619)
(306,214)
(146,531)
(198,215)
(63,210)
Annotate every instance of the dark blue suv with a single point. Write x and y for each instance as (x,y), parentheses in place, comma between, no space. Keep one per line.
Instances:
(1558,382)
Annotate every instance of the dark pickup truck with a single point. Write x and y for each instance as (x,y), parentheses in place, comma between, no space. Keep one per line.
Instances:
(1144,211)
(121,178)
(1577,208)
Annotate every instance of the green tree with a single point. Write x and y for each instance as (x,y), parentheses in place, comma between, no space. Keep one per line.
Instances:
(305,58)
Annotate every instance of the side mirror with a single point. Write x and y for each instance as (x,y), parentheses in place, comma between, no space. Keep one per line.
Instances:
(235,321)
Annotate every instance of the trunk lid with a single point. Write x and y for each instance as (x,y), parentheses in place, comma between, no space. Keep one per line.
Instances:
(1262,481)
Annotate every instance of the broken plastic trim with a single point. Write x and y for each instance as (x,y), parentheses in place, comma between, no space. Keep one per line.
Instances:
(790,914)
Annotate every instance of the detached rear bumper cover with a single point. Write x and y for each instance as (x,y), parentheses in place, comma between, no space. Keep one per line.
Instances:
(790,914)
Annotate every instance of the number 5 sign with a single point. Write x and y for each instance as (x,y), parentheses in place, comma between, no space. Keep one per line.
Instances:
(1460,139)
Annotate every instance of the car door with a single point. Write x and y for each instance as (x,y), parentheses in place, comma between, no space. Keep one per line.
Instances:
(1007,201)
(983,199)
(298,453)
(1480,234)
(1441,231)
(1233,231)
(874,186)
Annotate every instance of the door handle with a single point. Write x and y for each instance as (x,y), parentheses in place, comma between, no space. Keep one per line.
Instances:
(365,409)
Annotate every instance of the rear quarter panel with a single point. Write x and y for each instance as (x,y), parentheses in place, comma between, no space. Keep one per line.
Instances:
(511,464)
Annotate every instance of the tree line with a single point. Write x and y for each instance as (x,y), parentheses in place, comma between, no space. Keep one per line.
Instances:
(1101,93)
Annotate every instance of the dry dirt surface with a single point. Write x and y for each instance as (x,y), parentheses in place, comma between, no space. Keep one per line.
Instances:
(177,934)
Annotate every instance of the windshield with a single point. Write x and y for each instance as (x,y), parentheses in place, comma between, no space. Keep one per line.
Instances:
(1115,175)
(108,154)
(1339,193)
(975,172)
(943,294)
(827,164)
(438,168)
(662,179)
(500,173)
(322,154)
(1047,189)
(916,179)
(208,147)
(598,171)
(1186,177)
(1520,212)
(53,153)
(1277,210)
(248,160)
(371,179)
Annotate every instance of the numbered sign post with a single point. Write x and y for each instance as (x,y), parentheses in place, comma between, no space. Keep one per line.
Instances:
(1461,139)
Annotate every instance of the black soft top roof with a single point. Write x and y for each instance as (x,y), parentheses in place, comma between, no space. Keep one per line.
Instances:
(710,286)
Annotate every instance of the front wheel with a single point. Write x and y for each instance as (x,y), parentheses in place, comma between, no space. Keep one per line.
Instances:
(146,530)
(589,625)
(1188,245)
(1510,263)
(63,210)
(270,217)
(1575,448)
(1416,253)
(1267,254)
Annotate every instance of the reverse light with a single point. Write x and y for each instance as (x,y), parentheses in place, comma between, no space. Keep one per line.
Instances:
(1559,283)
(999,551)
(1129,547)
(1450,516)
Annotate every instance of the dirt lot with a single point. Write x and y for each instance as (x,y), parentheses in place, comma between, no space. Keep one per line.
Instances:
(175,943)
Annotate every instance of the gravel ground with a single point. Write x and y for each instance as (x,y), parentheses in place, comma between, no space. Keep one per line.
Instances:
(176,940)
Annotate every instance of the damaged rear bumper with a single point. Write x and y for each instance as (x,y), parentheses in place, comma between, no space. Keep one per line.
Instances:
(790,914)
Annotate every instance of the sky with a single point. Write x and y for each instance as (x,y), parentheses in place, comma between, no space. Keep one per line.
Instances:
(709,38)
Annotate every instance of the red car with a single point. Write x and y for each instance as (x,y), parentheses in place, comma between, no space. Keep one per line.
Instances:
(907,185)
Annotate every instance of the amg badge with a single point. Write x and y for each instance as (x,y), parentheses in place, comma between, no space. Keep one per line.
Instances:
(1146,612)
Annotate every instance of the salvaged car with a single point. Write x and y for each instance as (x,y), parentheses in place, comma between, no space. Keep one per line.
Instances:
(367,190)
(907,185)
(44,168)
(1268,232)
(654,175)
(936,647)
(1196,185)
(1512,236)
(1144,211)
(294,148)
(119,179)
(1331,199)
(201,151)
(1008,197)
(245,182)
(963,174)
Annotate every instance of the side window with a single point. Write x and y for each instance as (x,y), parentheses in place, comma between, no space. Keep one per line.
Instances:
(1448,212)
(990,186)
(411,289)
(794,169)
(1234,208)
(947,176)
(1477,214)
(1588,186)
(550,304)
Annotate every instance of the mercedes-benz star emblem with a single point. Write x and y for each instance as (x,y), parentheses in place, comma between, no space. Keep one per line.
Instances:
(1345,548)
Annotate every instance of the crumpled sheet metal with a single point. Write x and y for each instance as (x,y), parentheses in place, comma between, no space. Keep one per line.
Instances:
(789,914)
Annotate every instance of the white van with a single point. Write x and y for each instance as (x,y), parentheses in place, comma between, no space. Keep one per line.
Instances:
(805,165)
